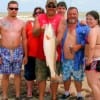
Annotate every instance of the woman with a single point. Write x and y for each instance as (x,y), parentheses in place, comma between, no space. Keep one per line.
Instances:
(93,53)
(32,52)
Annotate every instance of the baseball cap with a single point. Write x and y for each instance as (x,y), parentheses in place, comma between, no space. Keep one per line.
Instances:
(51,1)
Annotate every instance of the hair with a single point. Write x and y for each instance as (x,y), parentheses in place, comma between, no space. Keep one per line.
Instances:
(51,1)
(12,2)
(62,3)
(70,8)
(95,15)
(34,12)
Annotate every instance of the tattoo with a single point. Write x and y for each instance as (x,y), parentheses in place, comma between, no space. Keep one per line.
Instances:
(6,25)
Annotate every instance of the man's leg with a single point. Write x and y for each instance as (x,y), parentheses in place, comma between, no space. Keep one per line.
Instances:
(5,81)
(42,87)
(66,87)
(78,86)
(54,87)
(66,73)
(17,81)
(78,76)
(41,75)
(67,84)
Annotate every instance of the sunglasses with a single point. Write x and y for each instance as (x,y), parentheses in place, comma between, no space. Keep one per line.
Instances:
(37,12)
(13,8)
(51,6)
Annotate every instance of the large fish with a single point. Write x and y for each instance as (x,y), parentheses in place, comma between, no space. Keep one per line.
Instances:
(49,45)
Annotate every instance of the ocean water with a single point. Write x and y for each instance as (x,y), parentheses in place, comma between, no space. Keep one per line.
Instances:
(28,15)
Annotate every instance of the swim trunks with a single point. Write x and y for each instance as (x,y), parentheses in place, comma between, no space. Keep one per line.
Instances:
(11,60)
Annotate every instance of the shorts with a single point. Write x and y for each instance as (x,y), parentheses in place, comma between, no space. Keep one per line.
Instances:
(42,71)
(11,60)
(29,69)
(68,71)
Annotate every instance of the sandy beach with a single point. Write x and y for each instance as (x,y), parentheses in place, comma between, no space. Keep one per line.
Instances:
(11,93)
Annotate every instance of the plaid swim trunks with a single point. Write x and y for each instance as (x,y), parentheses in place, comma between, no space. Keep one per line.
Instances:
(68,71)
(11,60)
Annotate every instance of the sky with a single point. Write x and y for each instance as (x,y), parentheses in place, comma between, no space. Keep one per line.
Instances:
(29,5)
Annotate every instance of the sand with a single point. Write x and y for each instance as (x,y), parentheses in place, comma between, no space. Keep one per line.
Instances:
(86,91)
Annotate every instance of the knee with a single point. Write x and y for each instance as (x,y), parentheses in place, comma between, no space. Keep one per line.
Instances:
(17,76)
(5,77)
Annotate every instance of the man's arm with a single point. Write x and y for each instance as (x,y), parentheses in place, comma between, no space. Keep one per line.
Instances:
(61,30)
(76,47)
(24,42)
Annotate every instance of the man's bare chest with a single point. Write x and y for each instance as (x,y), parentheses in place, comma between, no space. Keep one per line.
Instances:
(11,26)
(71,38)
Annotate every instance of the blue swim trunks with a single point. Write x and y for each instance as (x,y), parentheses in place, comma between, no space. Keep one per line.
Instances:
(68,71)
(11,60)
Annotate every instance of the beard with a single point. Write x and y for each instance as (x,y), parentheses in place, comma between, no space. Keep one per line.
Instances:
(13,16)
(72,21)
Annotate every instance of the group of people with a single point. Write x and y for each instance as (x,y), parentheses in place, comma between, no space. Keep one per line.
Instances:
(77,44)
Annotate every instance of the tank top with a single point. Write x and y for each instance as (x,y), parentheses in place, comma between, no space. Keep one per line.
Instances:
(32,41)
(43,19)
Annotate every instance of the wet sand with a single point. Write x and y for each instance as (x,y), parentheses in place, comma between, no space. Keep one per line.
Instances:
(11,93)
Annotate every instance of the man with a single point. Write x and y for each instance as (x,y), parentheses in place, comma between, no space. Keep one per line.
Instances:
(13,50)
(73,52)
(42,71)
(62,8)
